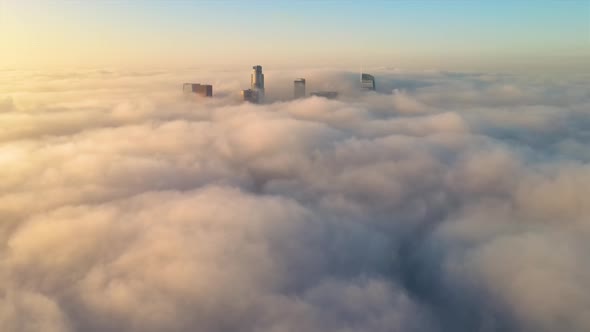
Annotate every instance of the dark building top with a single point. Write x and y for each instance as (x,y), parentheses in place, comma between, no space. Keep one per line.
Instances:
(250,95)
(367,82)
(326,94)
(203,90)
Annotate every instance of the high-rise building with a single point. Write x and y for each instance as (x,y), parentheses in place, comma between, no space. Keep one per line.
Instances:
(250,96)
(299,88)
(326,94)
(367,82)
(203,90)
(257,81)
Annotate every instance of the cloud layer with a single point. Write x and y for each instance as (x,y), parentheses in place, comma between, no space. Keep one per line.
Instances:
(446,202)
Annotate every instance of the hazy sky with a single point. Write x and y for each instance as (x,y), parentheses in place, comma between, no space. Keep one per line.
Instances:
(434,34)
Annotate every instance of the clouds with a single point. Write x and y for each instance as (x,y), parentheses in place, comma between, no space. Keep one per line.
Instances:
(456,203)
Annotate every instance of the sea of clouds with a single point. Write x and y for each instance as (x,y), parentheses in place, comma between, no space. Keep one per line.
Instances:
(445,202)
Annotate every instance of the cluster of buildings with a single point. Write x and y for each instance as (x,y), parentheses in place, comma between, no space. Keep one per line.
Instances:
(256,92)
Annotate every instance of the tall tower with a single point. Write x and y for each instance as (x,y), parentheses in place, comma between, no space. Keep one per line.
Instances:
(367,82)
(257,80)
(299,88)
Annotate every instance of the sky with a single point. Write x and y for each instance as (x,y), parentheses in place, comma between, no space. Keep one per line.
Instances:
(465,35)
(453,198)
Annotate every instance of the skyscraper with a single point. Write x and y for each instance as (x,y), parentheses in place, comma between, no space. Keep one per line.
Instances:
(367,82)
(250,95)
(299,88)
(257,81)
(203,90)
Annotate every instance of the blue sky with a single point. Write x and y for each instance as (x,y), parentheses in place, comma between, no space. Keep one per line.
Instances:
(294,32)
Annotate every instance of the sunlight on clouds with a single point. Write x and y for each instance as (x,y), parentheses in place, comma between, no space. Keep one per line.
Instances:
(456,202)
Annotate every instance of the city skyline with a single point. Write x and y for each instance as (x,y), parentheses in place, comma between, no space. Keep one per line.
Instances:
(256,93)
(461,35)
(314,166)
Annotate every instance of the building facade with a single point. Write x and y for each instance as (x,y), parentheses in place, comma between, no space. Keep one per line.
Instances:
(326,94)
(250,95)
(299,88)
(257,81)
(203,90)
(367,82)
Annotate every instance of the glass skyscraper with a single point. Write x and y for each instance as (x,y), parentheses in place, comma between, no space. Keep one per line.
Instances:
(367,82)
(257,81)
(299,88)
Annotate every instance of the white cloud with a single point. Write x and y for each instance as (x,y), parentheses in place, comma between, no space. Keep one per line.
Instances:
(458,204)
